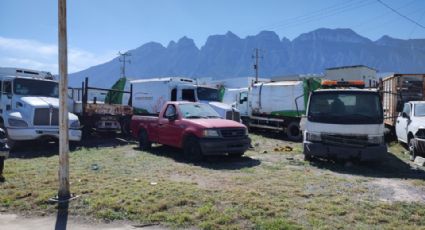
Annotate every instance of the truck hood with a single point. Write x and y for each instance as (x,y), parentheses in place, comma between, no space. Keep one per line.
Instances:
(41,101)
(217,123)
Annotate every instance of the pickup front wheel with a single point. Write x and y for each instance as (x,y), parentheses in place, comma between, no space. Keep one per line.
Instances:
(144,143)
(412,149)
(192,150)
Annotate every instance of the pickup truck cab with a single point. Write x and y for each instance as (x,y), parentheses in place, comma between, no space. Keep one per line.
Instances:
(194,127)
(410,127)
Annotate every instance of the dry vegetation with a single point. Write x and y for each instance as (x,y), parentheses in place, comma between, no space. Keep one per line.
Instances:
(270,188)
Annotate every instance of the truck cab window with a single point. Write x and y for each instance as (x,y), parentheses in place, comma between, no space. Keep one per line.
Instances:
(406,109)
(188,95)
(174,95)
(171,110)
(7,87)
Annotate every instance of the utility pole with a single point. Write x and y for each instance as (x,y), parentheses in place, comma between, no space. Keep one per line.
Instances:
(63,193)
(122,59)
(256,56)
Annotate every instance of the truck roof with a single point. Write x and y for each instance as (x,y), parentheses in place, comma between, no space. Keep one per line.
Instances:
(347,90)
(417,102)
(165,79)
(25,77)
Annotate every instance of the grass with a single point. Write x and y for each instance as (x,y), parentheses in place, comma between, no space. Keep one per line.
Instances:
(273,190)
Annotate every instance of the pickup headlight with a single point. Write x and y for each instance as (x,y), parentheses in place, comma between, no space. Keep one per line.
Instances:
(313,137)
(210,133)
(17,123)
(376,139)
(75,125)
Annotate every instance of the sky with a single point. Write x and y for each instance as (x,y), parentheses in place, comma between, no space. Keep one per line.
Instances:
(99,29)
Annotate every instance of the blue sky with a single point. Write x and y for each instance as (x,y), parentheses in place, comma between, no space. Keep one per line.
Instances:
(98,29)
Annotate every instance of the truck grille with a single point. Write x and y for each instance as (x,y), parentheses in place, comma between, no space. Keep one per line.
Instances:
(232,133)
(346,140)
(233,115)
(46,116)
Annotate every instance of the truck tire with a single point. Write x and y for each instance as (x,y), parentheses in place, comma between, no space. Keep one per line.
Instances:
(12,144)
(144,143)
(192,149)
(236,155)
(412,149)
(293,131)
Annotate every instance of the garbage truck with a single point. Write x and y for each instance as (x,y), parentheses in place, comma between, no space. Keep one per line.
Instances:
(149,95)
(273,105)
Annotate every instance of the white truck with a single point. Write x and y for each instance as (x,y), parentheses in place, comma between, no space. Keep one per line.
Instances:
(149,95)
(410,127)
(344,123)
(29,107)
(273,105)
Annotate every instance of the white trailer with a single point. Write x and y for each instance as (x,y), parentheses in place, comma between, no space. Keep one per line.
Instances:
(149,95)
(29,106)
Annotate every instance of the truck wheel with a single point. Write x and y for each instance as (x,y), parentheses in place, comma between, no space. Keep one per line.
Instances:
(236,155)
(307,157)
(10,143)
(144,143)
(412,149)
(293,131)
(192,150)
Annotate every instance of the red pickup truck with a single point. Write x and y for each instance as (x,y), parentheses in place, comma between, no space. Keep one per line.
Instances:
(194,127)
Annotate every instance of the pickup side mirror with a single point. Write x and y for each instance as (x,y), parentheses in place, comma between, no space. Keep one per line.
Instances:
(404,115)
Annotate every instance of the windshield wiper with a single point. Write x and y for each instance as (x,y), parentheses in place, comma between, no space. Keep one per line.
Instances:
(213,116)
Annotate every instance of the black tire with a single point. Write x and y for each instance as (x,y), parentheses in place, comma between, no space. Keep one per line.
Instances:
(308,157)
(293,131)
(412,149)
(125,127)
(192,149)
(236,155)
(12,144)
(144,143)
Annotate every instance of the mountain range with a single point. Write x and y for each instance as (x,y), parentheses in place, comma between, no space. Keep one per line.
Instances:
(228,56)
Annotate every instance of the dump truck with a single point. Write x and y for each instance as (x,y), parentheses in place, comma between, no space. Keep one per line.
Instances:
(98,112)
(398,89)
(344,121)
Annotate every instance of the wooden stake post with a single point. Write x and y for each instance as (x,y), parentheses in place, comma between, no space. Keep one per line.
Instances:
(63,193)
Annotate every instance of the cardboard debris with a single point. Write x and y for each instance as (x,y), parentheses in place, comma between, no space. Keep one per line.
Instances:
(283,149)
(419,161)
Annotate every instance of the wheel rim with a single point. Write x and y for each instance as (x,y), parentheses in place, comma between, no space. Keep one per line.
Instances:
(411,148)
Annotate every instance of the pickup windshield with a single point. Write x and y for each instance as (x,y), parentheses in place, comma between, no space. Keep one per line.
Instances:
(207,94)
(349,107)
(194,111)
(419,110)
(32,87)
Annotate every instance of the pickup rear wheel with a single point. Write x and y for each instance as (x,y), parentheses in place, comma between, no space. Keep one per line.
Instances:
(192,149)
(10,143)
(144,143)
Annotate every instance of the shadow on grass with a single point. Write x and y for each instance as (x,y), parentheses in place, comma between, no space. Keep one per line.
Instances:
(210,162)
(62,217)
(35,149)
(390,167)
(271,134)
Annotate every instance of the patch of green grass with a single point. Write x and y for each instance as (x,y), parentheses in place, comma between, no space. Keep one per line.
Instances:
(277,193)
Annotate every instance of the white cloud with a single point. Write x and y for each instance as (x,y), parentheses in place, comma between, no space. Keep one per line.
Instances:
(36,55)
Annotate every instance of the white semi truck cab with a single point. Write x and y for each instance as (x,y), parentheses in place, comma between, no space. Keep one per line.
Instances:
(344,123)
(29,106)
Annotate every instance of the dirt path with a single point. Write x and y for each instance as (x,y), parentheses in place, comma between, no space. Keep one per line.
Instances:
(15,222)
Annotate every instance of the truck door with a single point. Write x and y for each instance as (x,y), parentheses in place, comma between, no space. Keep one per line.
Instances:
(169,129)
(242,103)
(402,123)
(6,97)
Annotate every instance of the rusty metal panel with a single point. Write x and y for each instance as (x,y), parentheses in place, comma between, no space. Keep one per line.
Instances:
(108,109)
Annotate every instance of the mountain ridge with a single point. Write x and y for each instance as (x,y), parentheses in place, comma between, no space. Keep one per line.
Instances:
(228,55)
